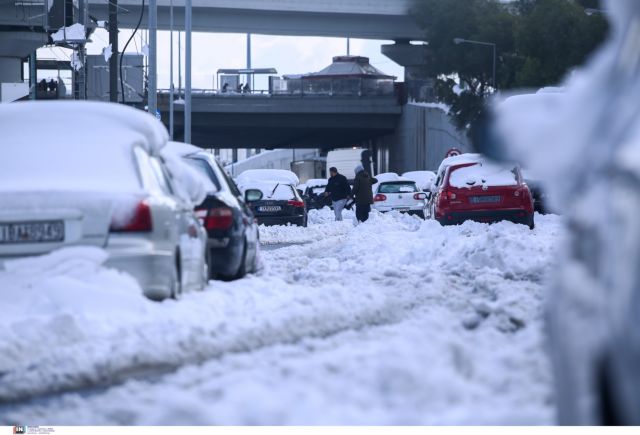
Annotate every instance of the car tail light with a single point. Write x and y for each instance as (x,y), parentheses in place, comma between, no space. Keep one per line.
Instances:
(380,197)
(295,203)
(220,218)
(139,222)
(420,196)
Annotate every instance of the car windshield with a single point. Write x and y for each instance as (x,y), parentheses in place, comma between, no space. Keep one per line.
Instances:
(398,187)
(276,192)
(213,185)
(483,174)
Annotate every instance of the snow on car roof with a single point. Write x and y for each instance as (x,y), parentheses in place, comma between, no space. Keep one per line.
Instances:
(460,160)
(81,123)
(316,182)
(65,145)
(183,149)
(268,175)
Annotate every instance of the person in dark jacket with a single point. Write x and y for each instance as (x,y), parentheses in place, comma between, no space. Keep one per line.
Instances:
(339,190)
(363,193)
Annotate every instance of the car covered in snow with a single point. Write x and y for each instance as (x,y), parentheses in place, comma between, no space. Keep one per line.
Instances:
(395,193)
(276,203)
(233,241)
(313,194)
(470,187)
(94,174)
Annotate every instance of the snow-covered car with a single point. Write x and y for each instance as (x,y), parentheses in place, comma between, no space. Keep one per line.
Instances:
(313,194)
(275,203)
(470,187)
(400,194)
(93,174)
(424,179)
(233,244)
(583,142)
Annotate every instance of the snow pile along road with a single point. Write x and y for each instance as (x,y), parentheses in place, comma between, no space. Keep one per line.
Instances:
(396,320)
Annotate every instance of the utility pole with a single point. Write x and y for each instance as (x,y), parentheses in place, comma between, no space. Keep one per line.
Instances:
(249,61)
(113,60)
(153,60)
(171,69)
(187,61)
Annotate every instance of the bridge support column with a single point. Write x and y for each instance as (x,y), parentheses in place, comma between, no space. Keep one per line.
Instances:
(415,58)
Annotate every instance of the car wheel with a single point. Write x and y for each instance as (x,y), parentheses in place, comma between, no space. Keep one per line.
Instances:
(211,271)
(176,280)
(242,271)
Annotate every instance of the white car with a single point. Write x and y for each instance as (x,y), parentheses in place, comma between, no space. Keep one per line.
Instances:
(393,192)
(93,174)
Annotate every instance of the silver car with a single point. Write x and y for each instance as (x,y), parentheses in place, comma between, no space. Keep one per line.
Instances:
(92,174)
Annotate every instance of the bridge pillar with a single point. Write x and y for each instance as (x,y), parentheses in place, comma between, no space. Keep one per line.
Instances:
(414,58)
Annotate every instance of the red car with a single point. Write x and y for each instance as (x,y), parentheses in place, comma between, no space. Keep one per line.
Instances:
(469,187)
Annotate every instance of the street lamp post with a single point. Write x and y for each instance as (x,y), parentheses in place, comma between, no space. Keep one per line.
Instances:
(459,41)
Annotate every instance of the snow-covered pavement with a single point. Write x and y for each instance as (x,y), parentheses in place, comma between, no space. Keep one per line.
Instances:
(395,321)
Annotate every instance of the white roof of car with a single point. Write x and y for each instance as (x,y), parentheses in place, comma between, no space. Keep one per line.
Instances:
(316,182)
(74,146)
(63,123)
(183,149)
(461,160)
(268,175)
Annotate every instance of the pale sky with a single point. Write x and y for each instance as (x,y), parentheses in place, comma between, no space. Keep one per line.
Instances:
(211,51)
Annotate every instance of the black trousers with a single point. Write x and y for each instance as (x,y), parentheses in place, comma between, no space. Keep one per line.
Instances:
(362,212)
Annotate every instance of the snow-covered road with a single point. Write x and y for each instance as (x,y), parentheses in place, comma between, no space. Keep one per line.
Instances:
(395,321)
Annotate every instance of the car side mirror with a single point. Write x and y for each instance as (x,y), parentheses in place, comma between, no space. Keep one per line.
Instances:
(252,195)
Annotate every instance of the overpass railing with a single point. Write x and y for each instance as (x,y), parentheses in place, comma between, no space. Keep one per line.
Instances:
(354,87)
(324,87)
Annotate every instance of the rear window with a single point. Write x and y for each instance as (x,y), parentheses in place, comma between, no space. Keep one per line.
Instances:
(213,185)
(318,190)
(483,174)
(398,187)
(281,192)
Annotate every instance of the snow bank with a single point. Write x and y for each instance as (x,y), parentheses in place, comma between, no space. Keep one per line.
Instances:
(394,321)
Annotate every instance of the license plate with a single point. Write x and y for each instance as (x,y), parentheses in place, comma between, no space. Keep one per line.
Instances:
(32,232)
(484,199)
(402,208)
(270,208)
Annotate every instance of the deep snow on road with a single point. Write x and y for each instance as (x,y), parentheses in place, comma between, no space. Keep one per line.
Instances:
(395,321)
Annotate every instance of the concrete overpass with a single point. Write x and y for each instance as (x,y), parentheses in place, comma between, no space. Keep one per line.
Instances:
(370,19)
(285,121)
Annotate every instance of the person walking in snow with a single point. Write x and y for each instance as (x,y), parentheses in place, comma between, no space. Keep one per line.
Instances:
(338,190)
(363,193)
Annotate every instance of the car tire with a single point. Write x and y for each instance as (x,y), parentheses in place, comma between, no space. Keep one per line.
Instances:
(176,279)
(211,270)
(242,270)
